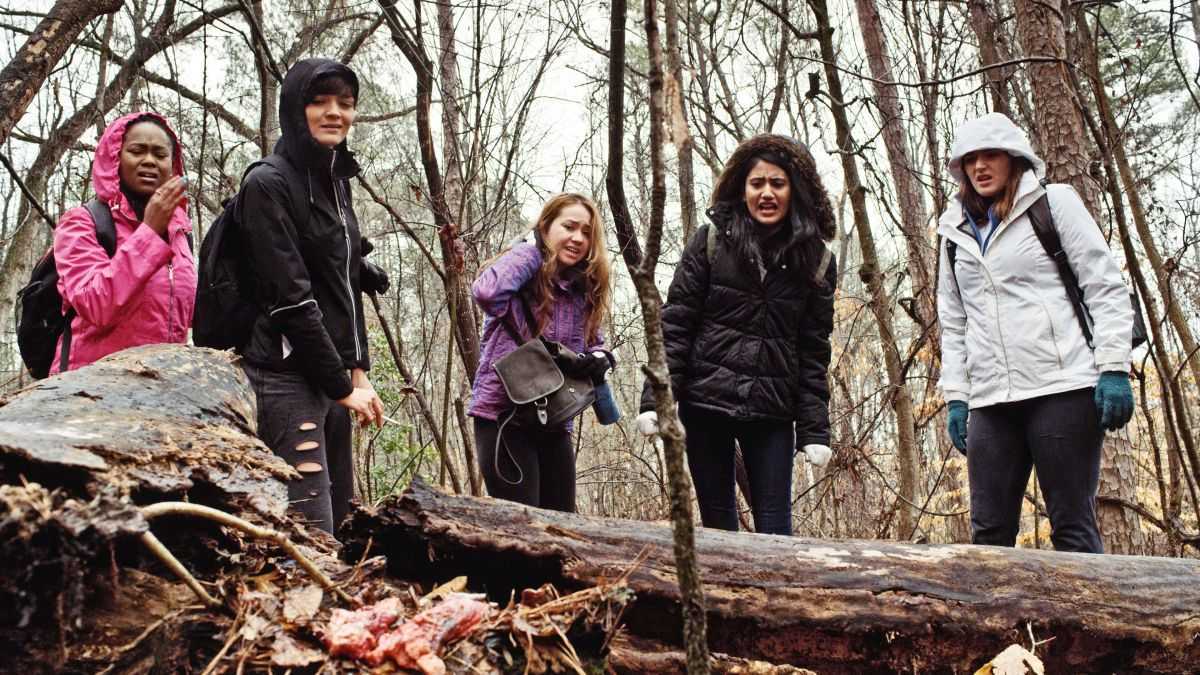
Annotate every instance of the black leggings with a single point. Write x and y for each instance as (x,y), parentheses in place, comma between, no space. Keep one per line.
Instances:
(529,466)
(1060,435)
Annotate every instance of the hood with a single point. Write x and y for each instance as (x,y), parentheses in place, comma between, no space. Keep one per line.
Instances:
(295,141)
(106,164)
(803,167)
(992,131)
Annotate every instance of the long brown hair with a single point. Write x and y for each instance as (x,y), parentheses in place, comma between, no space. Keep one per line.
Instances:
(977,205)
(595,276)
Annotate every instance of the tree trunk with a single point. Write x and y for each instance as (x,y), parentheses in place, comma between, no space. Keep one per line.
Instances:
(914,217)
(983,23)
(641,268)
(872,276)
(29,67)
(681,137)
(833,606)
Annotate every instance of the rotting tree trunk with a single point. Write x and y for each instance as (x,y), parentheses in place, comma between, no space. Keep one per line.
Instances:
(872,275)
(690,590)
(1065,148)
(29,67)
(914,217)
(833,606)
(155,422)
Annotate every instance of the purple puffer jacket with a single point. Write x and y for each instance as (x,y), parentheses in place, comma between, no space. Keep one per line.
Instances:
(496,292)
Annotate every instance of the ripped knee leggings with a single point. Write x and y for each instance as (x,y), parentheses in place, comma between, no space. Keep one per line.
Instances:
(311,433)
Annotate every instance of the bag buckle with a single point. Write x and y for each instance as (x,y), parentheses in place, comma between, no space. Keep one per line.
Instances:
(542,413)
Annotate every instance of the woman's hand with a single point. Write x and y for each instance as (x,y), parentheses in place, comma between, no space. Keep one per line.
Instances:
(363,401)
(162,204)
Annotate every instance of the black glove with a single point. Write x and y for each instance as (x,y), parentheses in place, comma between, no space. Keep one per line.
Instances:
(596,364)
(372,279)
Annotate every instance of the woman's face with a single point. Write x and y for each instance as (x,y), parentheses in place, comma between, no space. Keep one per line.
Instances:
(146,160)
(988,171)
(768,193)
(329,118)
(569,236)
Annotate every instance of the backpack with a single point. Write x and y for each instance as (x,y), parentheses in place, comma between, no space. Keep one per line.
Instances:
(1042,220)
(226,307)
(40,320)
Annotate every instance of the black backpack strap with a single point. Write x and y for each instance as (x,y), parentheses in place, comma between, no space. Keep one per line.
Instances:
(106,230)
(1042,220)
(106,234)
(300,208)
(952,258)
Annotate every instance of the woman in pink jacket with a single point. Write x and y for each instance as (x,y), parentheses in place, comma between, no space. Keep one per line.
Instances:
(144,293)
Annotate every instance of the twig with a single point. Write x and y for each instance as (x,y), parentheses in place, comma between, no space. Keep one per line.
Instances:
(235,631)
(183,509)
(29,196)
(156,547)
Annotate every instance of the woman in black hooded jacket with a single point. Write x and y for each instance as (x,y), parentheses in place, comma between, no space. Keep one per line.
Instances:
(746,326)
(307,353)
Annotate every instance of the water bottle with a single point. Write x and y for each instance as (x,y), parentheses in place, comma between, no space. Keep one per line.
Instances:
(606,408)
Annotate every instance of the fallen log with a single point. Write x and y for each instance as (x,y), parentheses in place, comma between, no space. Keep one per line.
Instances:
(155,422)
(834,606)
(79,452)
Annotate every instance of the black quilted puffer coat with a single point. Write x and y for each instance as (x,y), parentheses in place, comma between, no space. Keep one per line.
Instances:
(749,346)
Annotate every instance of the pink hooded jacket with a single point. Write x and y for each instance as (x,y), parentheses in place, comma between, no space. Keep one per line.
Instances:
(144,294)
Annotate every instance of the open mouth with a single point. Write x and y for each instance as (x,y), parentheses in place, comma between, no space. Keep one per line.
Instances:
(147,177)
(768,209)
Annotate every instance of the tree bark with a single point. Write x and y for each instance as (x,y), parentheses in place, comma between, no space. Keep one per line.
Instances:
(872,276)
(29,67)
(681,137)
(1041,32)
(833,606)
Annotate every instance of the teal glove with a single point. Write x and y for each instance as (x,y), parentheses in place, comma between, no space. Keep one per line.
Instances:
(956,424)
(1114,399)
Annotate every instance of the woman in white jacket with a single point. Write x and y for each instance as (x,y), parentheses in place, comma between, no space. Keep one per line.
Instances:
(1015,360)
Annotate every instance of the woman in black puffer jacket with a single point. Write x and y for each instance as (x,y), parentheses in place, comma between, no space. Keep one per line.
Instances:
(747,327)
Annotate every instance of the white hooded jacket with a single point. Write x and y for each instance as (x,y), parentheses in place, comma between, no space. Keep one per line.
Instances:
(1009,332)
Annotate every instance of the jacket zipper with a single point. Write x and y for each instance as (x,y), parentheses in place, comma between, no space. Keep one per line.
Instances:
(337,199)
(171,293)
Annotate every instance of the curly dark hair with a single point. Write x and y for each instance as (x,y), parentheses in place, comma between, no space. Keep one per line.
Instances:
(810,215)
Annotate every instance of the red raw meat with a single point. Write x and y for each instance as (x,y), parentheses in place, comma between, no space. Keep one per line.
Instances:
(355,633)
(415,643)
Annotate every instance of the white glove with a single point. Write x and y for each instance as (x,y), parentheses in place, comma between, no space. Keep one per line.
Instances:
(818,455)
(647,423)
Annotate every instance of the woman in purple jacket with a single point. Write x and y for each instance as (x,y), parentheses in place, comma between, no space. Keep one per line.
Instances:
(560,273)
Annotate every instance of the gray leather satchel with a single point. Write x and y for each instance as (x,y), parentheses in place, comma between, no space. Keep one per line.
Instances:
(542,396)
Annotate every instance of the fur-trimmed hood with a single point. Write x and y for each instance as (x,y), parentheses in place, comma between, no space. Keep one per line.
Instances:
(802,169)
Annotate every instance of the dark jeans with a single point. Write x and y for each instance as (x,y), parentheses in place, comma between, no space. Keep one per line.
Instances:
(311,433)
(529,466)
(1061,436)
(767,447)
